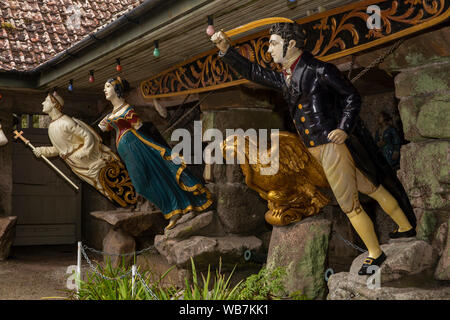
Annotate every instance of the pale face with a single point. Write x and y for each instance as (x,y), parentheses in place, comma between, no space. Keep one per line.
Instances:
(276,48)
(47,105)
(109,91)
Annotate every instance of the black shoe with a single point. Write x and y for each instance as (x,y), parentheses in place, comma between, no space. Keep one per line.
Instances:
(371,262)
(406,234)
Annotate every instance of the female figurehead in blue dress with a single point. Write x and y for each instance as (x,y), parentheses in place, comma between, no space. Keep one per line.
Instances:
(155,175)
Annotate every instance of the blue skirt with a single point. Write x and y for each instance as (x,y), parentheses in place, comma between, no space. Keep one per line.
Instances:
(156,177)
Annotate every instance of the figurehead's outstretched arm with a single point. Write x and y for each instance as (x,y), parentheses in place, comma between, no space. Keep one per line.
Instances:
(253,71)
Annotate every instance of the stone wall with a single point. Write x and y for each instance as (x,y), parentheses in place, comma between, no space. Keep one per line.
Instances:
(424,93)
(240,209)
(422,86)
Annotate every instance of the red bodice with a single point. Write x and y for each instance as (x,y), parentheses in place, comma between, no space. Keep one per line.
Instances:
(122,123)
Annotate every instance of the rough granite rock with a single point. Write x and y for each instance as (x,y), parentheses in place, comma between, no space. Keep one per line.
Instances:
(404,257)
(432,78)
(440,240)
(302,249)
(7,232)
(134,223)
(119,242)
(407,274)
(425,117)
(340,288)
(443,268)
(205,250)
(191,224)
(424,173)
(235,212)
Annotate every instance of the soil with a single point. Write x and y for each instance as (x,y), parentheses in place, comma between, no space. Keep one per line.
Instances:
(37,272)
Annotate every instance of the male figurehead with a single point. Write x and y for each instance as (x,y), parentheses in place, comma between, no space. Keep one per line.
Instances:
(324,106)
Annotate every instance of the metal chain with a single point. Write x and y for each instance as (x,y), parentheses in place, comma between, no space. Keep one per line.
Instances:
(119,277)
(379,60)
(354,246)
(146,287)
(119,254)
(98,273)
(187,113)
(352,64)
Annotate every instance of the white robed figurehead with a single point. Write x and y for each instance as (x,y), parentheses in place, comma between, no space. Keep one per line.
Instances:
(3,139)
(75,142)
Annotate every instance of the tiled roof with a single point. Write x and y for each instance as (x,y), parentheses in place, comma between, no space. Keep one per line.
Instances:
(34,31)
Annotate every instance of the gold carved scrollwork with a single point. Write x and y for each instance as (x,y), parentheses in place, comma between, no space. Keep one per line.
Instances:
(331,35)
(395,15)
(117,184)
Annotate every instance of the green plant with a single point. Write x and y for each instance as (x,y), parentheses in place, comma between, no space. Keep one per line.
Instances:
(220,290)
(95,287)
(265,285)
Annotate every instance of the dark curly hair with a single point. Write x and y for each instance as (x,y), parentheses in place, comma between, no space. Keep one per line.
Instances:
(290,31)
(121,86)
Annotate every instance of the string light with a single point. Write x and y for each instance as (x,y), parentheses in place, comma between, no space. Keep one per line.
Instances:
(156,52)
(91,78)
(70,87)
(118,67)
(210,29)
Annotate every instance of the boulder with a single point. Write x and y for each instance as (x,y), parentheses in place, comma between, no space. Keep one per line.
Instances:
(119,242)
(340,288)
(301,248)
(235,213)
(152,260)
(407,274)
(440,240)
(425,117)
(192,224)
(404,257)
(206,250)
(133,222)
(443,268)
(7,232)
(424,173)
(430,79)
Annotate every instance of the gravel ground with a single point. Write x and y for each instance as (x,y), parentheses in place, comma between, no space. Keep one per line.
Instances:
(36,272)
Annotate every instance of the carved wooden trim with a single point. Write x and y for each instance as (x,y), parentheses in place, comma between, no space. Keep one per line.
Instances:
(332,34)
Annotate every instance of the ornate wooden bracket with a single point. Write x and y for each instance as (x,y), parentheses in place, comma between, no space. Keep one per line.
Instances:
(332,34)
